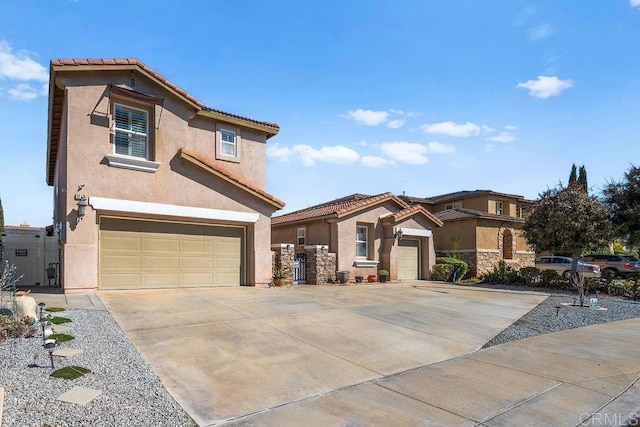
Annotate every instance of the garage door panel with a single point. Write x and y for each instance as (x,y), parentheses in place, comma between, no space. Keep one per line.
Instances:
(197,263)
(161,244)
(121,242)
(162,262)
(161,280)
(145,254)
(121,280)
(119,262)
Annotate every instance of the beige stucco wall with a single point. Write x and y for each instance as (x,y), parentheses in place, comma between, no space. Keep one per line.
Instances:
(85,140)
(463,232)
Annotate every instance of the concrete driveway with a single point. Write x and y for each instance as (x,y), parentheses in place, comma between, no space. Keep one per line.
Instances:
(274,356)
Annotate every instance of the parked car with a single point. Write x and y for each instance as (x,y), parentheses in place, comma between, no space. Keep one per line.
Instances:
(614,265)
(562,265)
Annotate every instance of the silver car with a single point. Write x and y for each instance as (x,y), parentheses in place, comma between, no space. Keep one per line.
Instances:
(562,265)
(613,265)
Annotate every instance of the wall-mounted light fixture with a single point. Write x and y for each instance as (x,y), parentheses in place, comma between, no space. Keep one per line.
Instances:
(398,234)
(82,207)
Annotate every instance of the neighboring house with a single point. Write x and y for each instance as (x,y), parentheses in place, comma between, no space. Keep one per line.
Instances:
(482,227)
(152,189)
(367,233)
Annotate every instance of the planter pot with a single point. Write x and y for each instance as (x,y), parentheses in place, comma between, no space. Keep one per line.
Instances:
(342,276)
(383,279)
(359,279)
(371,278)
(279,281)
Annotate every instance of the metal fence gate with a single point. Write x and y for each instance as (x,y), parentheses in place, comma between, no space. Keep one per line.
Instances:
(300,269)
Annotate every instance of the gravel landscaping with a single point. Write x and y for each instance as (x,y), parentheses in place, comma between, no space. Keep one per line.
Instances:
(546,317)
(131,394)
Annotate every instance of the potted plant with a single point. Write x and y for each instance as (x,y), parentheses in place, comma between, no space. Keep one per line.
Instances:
(371,278)
(382,276)
(280,275)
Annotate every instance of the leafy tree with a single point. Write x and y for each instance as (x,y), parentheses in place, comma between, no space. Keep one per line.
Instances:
(623,200)
(582,178)
(573,176)
(567,220)
(1,220)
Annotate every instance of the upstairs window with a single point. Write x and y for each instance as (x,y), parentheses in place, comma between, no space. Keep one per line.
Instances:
(301,236)
(131,132)
(361,241)
(499,208)
(228,145)
(453,206)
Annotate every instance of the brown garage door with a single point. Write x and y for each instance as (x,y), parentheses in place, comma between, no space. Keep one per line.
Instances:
(408,259)
(143,254)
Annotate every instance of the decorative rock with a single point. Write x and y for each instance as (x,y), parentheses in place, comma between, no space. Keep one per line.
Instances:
(26,306)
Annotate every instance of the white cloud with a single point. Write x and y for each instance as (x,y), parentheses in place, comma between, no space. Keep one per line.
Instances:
(374,161)
(511,127)
(363,143)
(440,148)
(19,66)
(455,129)
(398,112)
(279,152)
(545,86)
(503,137)
(635,3)
(540,32)
(395,124)
(405,152)
(368,117)
(338,154)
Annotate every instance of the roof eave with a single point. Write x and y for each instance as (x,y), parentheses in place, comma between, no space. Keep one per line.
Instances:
(217,115)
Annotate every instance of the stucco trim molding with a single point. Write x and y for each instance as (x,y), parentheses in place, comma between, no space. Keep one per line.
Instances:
(418,232)
(131,163)
(133,206)
(365,263)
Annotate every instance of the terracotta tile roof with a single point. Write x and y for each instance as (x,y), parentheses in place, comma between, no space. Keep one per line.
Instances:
(214,167)
(337,208)
(411,199)
(413,210)
(466,194)
(462,213)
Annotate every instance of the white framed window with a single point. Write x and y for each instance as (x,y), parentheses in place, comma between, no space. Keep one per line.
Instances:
(130,131)
(499,208)
(453,206)
(301,236)
(228,143)
(361,241)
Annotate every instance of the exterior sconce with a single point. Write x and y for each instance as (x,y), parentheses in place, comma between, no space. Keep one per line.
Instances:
(82,207)
(398,234)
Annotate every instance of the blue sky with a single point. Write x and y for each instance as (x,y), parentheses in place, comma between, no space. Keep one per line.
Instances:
(425,97)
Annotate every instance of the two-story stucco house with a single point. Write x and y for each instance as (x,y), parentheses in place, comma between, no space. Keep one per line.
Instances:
(152,189)
(367,233)
(482,227)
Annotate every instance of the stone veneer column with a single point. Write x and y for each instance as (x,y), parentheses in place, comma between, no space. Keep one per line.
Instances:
(283,256)
(321,265)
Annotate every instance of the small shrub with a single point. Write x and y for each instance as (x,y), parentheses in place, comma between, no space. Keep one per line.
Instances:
(530,275)
(501,273)
(460,267)
(548,276)
(59,320)
(13,327)
(70,372)
(442,272)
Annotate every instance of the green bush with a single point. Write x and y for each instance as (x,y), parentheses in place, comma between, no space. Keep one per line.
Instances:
(442,272)
(460,267)
(501,273)
(530,275)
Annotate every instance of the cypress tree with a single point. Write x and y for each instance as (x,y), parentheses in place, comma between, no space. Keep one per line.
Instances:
(582,178)
(573,176)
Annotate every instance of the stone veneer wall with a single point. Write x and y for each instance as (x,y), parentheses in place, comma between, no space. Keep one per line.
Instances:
(481,262)
(321,265)
(283,255)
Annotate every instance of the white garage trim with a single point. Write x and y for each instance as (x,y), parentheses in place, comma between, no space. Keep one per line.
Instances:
(419,232)
(132,206)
